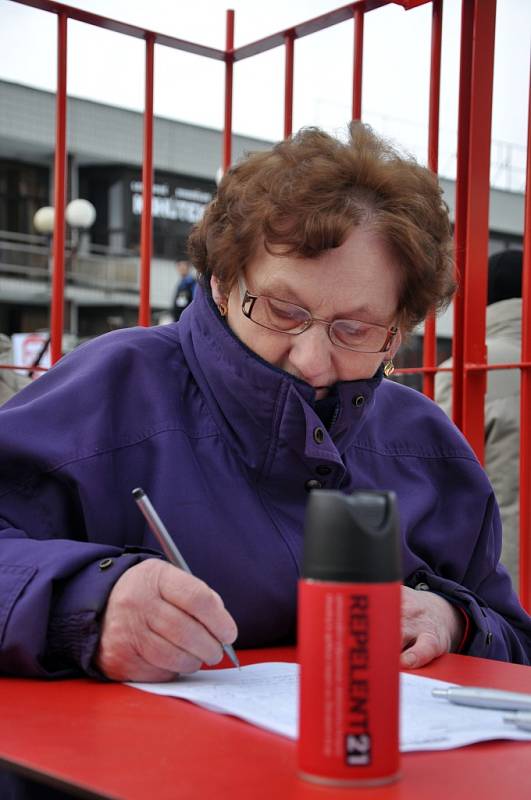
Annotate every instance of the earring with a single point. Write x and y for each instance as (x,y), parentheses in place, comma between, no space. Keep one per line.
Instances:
(389,368)
(222,308)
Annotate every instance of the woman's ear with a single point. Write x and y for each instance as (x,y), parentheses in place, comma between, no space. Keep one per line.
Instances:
(216,293)
(220,298)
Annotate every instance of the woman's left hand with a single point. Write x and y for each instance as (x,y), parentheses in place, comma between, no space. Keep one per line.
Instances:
(431,626)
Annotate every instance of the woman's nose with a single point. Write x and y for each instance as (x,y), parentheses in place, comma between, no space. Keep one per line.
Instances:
(311,355)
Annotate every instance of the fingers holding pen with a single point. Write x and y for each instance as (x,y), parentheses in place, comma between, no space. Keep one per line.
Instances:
(192,596)
(160,621)
(214,616)
(192,618)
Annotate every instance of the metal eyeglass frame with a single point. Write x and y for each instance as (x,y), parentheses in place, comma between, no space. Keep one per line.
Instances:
(248,301)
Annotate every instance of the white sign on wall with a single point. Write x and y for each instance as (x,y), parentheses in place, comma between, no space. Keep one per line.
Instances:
(184,205)
(26,348)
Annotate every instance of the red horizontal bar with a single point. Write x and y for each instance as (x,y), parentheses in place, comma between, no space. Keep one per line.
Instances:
(25,367)
(398,371)
(421,370)
(125,28)
(254,48)
(319,23)
(485,367)
(524,365)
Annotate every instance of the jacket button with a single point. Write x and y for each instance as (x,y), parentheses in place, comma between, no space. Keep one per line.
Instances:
(318,435)
(488,638)
(312,484)
(358,401)
(323,469)
(106,563)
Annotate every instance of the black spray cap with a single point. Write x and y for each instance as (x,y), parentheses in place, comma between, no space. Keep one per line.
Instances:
(352,538)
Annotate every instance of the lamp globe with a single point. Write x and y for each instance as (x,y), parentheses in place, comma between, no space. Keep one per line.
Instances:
(80,214)
(43,219)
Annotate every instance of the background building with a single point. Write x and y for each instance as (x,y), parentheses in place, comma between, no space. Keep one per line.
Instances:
(102,264)
(105,157)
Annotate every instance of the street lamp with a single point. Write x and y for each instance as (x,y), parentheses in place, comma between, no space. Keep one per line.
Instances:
(79,214)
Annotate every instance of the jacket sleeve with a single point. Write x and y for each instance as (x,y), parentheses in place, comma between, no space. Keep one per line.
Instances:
(500,628)
(51,597)
(63,542)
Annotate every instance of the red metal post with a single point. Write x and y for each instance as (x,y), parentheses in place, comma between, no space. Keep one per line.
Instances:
(430,335)
(229,63)
(461,200)
(525,395)
(358,63)
(58,275)
(146,231)
(289,46)
(477,239)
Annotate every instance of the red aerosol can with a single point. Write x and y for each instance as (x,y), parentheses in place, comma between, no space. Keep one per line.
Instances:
(349,639)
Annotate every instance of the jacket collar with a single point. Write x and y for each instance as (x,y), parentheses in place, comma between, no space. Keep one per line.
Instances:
(258,406)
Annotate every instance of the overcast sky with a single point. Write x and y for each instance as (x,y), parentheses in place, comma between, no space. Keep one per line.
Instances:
(108,67)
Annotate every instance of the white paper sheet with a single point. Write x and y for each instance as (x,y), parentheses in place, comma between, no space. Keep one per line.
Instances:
(267,696)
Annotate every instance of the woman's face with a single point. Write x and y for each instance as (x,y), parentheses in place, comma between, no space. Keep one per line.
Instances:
(358,280)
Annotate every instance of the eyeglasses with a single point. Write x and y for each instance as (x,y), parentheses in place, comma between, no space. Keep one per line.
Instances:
(284,317)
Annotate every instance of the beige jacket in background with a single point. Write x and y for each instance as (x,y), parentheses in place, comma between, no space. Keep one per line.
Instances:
(502,419)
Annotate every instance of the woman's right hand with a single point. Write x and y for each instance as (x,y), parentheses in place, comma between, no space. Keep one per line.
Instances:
(160,621)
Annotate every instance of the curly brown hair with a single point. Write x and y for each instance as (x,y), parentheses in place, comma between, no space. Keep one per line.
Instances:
(304,196)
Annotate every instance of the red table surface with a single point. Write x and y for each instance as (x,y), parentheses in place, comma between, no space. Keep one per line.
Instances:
(112,741)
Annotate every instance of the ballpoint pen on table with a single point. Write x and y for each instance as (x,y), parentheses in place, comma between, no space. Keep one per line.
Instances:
(521,719)
(485,698)
(169,547)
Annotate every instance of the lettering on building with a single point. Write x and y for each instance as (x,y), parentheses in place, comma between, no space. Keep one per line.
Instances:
(181,204)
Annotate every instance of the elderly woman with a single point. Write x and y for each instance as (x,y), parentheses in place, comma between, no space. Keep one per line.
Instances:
(316,258)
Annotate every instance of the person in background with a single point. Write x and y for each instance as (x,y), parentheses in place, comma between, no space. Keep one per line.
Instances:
(502,399)
(184,291)
(315,258)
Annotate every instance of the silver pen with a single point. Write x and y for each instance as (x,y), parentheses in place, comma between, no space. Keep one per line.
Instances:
(485,698)
(521,719)
(171,550)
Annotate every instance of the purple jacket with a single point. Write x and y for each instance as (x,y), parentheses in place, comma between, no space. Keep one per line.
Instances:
(226,447)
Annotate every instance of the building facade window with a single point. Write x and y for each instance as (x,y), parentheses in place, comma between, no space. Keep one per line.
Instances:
(178,202)
(24,188)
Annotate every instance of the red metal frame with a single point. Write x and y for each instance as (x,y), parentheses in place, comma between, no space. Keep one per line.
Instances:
(357,70)
(146,230)
(58,275)
(461,195)
(289,46)
(477,234)
(472,194)
(124,28)
(229,61)
(525,393)
(430,335)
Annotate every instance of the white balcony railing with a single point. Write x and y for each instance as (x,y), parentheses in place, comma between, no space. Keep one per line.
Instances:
(28,255)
